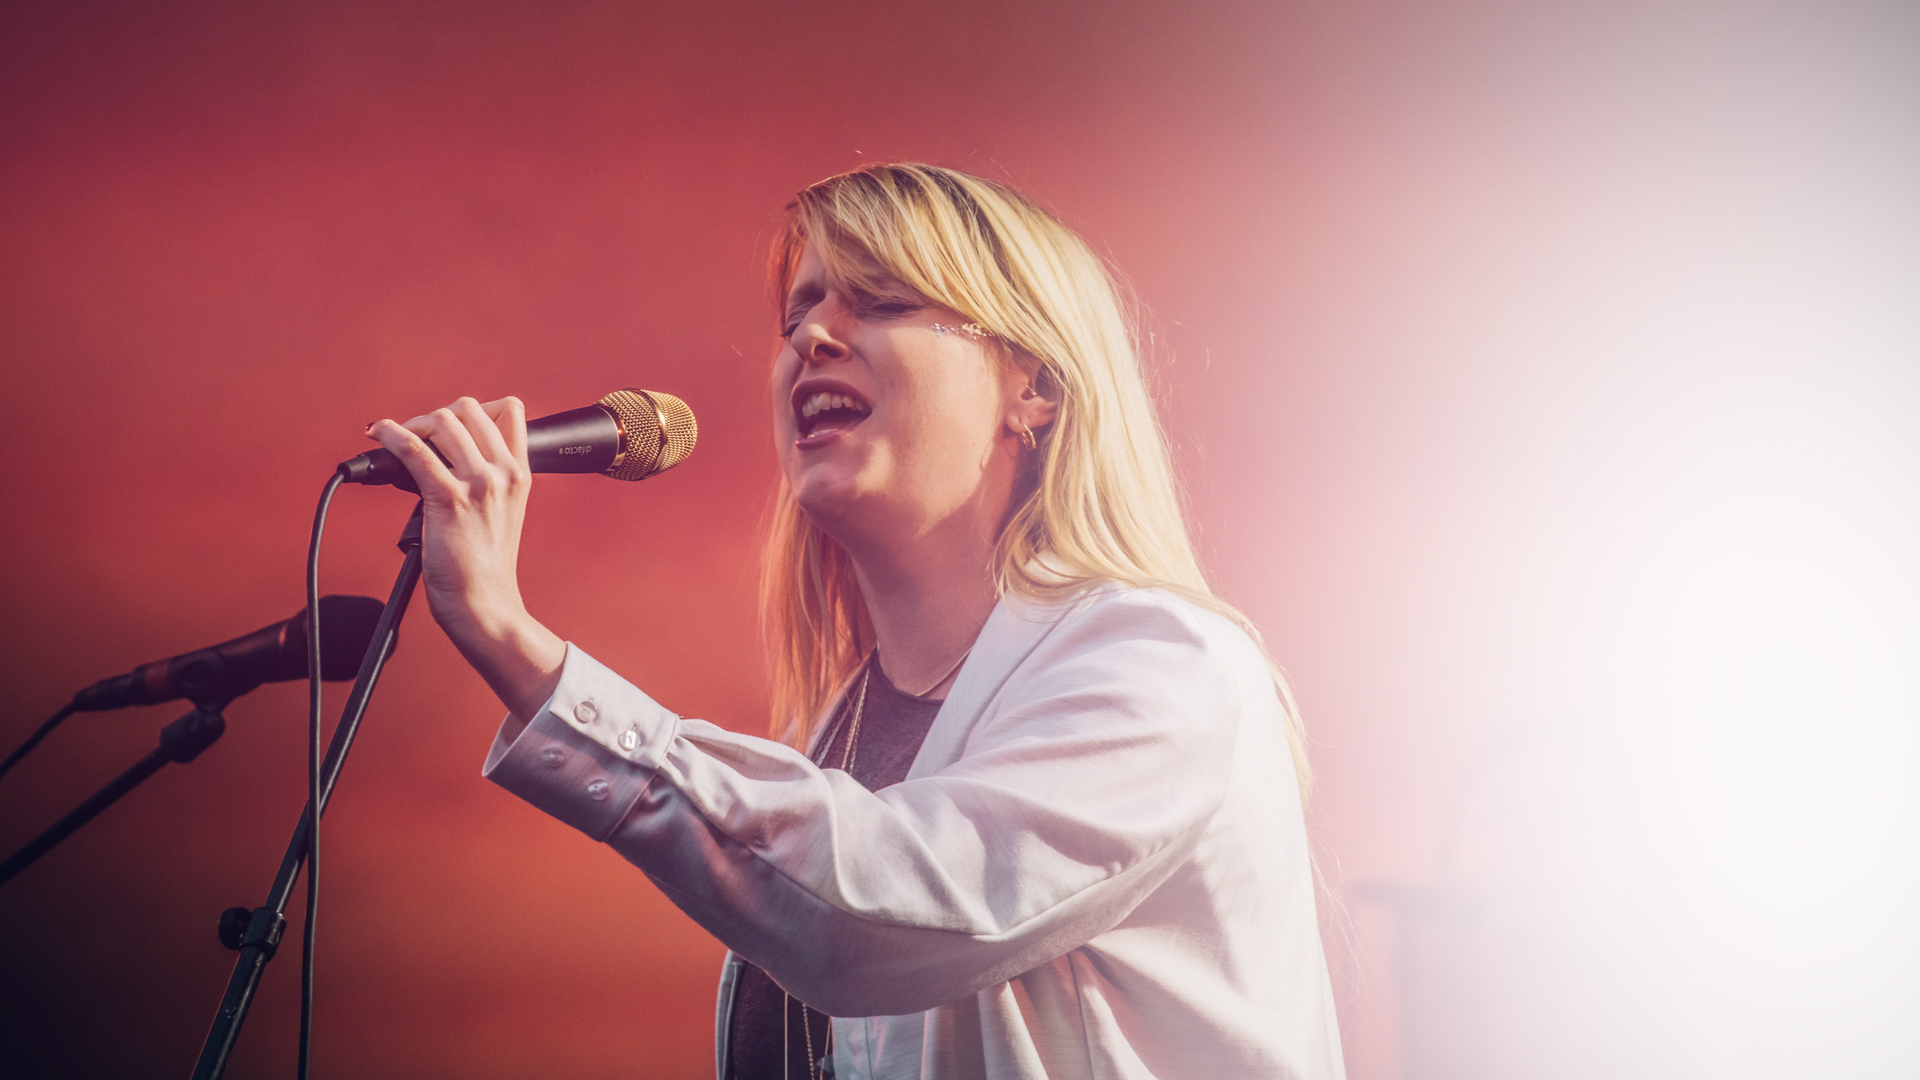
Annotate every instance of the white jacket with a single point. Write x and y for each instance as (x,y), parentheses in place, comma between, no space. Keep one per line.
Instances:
(1096,867)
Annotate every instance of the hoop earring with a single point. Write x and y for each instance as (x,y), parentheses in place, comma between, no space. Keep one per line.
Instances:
(1026,436)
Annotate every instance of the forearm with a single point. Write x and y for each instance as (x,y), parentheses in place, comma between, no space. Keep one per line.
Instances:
(519,658)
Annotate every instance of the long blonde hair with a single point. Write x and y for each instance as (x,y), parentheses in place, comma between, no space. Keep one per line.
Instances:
(1101,505)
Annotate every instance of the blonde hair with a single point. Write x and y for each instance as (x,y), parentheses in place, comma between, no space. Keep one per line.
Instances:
(1101,505)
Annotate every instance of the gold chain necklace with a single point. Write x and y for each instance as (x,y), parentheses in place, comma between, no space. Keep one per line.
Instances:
(846,766)
(859,707)
(786,1003)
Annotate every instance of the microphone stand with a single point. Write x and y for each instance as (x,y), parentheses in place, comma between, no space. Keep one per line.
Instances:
(180,741)
(256,934)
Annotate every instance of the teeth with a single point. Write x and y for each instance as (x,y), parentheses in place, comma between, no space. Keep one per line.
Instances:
(821,402)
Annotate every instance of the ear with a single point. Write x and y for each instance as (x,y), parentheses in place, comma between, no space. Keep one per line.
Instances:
(1035,411)
(1032,400)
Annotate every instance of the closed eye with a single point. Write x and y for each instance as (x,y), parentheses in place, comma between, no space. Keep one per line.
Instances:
(794,318)
(867,306)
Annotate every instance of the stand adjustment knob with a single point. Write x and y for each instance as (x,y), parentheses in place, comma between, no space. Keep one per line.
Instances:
(233,926)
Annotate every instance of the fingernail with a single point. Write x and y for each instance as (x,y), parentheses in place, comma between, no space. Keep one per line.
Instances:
(370,424)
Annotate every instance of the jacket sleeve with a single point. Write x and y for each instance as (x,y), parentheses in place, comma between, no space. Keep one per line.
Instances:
(1089,778)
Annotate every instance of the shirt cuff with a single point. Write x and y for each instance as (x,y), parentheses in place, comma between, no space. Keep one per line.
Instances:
(589,752)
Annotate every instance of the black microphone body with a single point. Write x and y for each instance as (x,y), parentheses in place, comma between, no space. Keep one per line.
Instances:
(213,676)
(584,440)
(628,435)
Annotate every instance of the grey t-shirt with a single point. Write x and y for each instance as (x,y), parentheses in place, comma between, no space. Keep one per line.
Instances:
(893,724)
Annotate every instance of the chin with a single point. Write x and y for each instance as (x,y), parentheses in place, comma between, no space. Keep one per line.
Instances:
(825,495)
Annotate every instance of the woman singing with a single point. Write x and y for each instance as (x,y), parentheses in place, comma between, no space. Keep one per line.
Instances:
(1034,809)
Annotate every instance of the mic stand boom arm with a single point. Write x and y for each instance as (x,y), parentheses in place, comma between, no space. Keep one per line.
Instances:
(180,741)
(256,934)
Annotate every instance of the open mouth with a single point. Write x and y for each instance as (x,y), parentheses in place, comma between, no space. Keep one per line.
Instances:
(825,410)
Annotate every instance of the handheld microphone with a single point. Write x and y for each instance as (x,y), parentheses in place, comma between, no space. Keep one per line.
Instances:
(628,435)
(216,675)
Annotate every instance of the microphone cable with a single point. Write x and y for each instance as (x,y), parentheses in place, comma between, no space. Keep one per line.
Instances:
(33,740)
(313,771)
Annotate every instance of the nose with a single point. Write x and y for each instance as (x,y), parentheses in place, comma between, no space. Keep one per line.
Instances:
(815,340)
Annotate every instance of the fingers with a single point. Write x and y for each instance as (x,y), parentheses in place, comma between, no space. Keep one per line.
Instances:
(510,419)
(413,452)
(467,435)
(474,432)
(483,425)
(450,437)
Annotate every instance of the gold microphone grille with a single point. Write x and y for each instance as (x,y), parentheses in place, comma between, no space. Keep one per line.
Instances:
(659,432)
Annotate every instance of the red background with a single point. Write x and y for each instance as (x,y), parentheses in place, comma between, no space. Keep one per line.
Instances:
(1482,329)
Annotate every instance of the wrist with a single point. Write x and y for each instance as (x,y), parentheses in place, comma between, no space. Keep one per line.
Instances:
(519,658)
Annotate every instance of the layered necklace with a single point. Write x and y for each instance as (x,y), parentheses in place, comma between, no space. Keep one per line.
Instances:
(846,766)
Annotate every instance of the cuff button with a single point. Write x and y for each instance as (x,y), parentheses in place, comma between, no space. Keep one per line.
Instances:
(553,757)
(585,712)
(598,790)
(629,739)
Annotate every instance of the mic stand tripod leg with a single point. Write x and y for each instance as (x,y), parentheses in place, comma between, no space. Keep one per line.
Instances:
(180,741)
(256,933)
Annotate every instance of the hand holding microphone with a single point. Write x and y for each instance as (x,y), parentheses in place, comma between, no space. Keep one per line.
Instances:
(472,477)
(628,435)
(472,464)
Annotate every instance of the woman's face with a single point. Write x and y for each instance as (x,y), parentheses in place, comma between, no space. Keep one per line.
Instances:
(886,428)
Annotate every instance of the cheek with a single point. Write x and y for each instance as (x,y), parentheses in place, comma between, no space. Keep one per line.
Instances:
(779,389)
(954,419)
(975,403)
